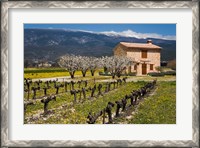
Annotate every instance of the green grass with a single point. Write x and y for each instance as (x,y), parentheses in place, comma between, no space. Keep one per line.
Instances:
(149,78)
(52,90)
(62,98)
(101,103)
(159,108)
(78,113)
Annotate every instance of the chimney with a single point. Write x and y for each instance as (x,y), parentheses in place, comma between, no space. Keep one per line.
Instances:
(149,41)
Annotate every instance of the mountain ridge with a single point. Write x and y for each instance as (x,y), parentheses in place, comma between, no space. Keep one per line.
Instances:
(50,44)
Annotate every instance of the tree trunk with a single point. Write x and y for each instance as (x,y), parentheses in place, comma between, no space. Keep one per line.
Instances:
(75,97)
(92,72)
(118,74)
(104,116)
(113,76)
(72,74)
(45,108)
(28,94)
(83,73)
(105,69)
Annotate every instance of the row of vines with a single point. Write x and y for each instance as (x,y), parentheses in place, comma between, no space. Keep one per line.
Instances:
(50,101)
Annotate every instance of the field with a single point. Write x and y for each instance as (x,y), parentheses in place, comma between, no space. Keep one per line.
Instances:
(35,73)
(158,106)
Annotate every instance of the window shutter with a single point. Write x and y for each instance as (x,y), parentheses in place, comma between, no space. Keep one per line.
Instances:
(144,53)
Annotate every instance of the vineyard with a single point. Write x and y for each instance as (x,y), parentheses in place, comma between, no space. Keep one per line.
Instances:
(82,101)
(83,96)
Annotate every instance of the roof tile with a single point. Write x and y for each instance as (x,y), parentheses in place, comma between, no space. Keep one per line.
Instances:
(140,45)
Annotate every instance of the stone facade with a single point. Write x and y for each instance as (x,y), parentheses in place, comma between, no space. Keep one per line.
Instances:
(141,65)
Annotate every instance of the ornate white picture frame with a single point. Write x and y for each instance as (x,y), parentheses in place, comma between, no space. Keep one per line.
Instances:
(5,44)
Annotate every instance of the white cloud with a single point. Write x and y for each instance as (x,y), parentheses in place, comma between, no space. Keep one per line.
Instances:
(130,33)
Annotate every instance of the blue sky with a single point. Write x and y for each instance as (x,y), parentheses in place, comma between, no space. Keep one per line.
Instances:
(148,30)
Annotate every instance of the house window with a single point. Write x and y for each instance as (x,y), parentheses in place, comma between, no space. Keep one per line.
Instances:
(151,66)
(144,53)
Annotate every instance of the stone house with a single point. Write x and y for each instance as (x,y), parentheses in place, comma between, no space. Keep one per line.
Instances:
(145,56)
(45,64)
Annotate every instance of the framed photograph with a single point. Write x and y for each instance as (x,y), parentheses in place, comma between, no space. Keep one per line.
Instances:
(99,73)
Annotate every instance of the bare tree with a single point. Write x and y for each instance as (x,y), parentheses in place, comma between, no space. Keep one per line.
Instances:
(93,64)
(84,64)
(121,64)
(103,61)
(70,63)
(115,64)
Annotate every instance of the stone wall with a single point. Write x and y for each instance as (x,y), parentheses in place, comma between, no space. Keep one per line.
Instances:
(119,51)
(153,57)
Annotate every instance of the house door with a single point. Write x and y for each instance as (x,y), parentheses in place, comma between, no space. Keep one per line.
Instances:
(144,69)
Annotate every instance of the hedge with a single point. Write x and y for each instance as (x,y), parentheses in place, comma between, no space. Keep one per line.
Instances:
(109,74)
(169,73)
(155,74)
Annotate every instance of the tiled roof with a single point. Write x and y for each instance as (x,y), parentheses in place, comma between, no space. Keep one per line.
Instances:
(140,45)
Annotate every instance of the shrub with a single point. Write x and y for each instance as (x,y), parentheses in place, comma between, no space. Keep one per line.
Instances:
(132,74)
(159,69)
(170,73)
(155,74)
(108,74)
